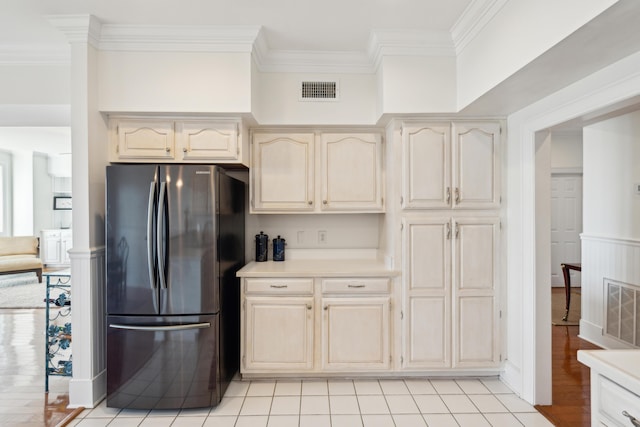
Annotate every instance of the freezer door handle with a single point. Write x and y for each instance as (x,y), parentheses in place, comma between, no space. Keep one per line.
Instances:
(160,236)
(186,327)
(150,260)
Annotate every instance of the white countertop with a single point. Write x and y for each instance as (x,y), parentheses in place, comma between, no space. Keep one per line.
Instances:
(620,366)
(317,268)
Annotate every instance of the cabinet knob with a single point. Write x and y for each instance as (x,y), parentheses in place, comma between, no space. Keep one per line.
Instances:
(309,307)
(324,202)
(326,307)
(168,149)
(309,202)
(457,196)
(184,149)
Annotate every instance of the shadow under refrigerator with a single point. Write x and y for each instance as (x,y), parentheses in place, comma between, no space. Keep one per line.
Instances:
(175,240)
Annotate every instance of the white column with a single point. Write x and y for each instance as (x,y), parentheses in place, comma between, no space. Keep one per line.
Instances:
(88,136)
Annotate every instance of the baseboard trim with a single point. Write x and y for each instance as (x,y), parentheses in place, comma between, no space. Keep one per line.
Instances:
(88,393)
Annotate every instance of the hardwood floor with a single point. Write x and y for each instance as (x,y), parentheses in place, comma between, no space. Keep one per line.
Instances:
(23,402)
(571,385)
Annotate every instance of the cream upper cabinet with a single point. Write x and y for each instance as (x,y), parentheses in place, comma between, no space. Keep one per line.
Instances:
(168,140)
(315,173)
(453,165)
(136,140)
(207,140)
(351,172)
(451,276)
(282,173)
(426,156)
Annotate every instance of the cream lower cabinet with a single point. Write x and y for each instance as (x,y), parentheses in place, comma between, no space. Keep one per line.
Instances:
(355,324)
(450,310)
(277,325)
(279,333)
(284,330)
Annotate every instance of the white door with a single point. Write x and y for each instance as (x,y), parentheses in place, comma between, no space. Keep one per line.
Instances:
(566,225)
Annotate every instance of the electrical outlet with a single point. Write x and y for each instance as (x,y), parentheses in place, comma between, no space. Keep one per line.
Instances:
(300,237)
(322,237)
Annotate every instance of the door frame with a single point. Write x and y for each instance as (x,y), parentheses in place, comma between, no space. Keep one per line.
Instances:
(602,94)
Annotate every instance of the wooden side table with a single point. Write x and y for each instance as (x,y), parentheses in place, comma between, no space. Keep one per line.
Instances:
(566,267)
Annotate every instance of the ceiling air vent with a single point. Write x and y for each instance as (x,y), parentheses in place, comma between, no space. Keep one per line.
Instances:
(319,91)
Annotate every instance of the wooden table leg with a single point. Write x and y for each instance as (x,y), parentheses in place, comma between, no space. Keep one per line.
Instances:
(567,290)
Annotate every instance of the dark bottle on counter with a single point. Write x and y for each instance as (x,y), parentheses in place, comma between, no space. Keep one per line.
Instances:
(278,249)
(262,247)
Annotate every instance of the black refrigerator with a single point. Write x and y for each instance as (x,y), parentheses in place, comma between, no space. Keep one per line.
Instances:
(174,241)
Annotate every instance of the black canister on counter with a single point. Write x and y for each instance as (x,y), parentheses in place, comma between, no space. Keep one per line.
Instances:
(278,249)
(262,247)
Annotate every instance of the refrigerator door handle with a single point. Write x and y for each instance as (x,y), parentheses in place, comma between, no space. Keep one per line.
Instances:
(160,236)
(150,260)
(186,327)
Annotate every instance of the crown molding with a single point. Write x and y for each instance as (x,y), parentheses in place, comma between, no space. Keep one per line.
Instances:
(78,28)
(178,38)
(408,43)
(473,20)
(251,39)
(272,61)
(34,54)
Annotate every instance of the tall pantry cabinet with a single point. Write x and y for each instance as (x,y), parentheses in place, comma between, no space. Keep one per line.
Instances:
(450,220)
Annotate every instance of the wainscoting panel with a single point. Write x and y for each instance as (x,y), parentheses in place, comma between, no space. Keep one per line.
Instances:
(605,309)
(88,385)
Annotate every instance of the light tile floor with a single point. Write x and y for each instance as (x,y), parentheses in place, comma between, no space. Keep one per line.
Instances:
(342,403)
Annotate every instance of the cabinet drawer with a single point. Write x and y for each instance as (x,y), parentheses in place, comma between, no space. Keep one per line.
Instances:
(279,286)
(614,400)
(355,285)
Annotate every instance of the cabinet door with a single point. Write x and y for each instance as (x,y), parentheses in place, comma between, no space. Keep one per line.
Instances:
(351,171)
(278,334)
(475,278)
(476,165)
(50,247)
(355,333)
(207,140)
(427,324)
(144,140)
(66,242)
(282,173)
(426,152)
